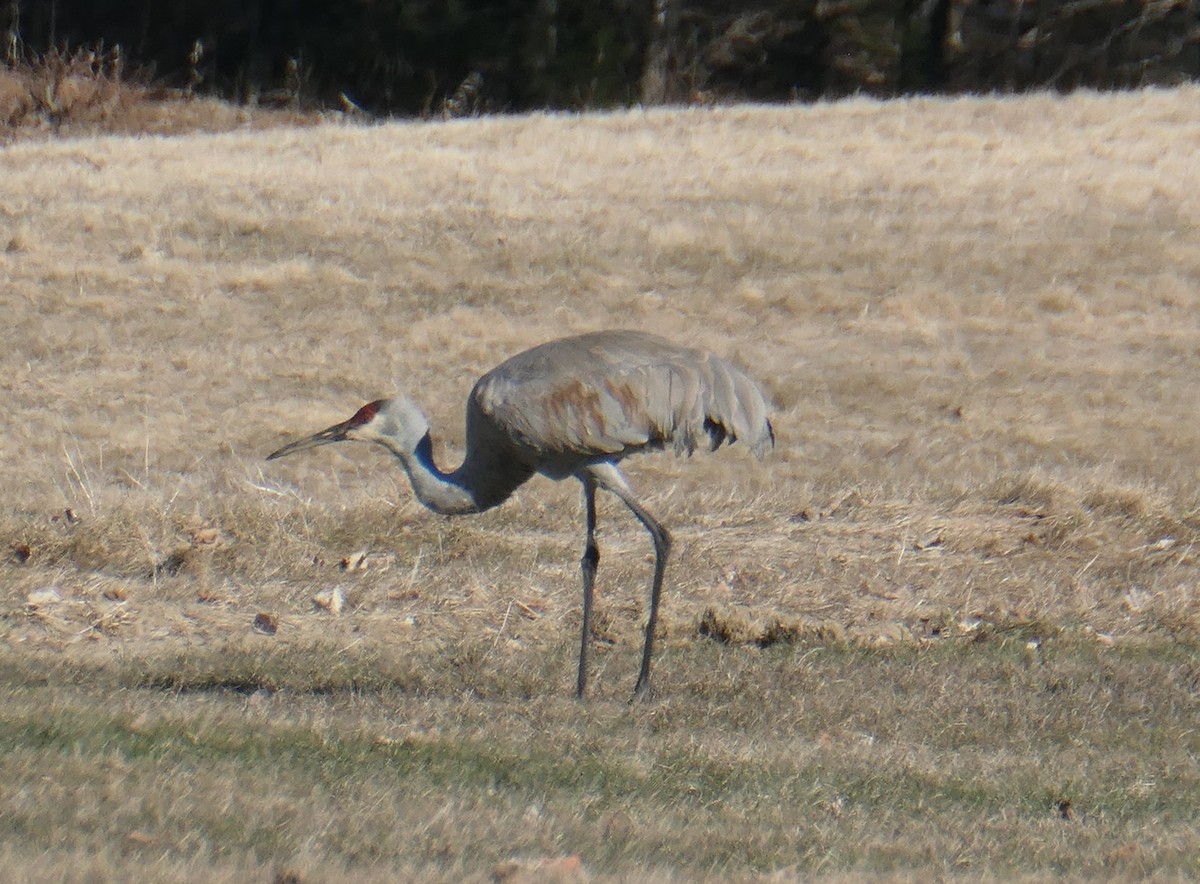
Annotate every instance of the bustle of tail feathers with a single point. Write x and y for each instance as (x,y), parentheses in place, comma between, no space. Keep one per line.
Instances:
(719,435)
(736,410)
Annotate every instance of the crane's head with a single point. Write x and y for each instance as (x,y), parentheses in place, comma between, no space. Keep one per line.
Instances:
(396,424)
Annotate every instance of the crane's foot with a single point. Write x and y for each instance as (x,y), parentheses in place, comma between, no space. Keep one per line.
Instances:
(643,692)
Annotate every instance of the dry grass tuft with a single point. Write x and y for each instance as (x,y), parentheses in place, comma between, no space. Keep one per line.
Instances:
(958,597)
(88,91)
(737,627)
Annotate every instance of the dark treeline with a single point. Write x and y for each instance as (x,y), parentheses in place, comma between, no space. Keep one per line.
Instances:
(465,56)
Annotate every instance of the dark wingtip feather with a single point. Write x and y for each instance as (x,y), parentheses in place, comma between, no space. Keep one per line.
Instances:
(717,434)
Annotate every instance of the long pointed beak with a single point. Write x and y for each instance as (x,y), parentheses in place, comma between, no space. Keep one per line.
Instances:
(336,433)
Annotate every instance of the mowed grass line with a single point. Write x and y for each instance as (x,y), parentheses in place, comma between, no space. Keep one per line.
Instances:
(958,756)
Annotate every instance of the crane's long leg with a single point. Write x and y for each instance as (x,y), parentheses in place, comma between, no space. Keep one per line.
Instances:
(662,548)
(610,478)
(591,558)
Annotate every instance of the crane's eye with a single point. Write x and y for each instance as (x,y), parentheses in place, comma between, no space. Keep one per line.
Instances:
(365,415)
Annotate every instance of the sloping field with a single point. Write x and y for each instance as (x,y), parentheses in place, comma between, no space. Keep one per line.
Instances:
(949,627)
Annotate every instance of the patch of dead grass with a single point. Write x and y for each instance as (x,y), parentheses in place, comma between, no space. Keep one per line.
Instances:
(88,92)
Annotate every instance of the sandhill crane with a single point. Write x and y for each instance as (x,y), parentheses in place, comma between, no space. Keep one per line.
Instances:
(572,407)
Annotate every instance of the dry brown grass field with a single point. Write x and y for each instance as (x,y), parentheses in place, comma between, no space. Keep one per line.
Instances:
(949,627)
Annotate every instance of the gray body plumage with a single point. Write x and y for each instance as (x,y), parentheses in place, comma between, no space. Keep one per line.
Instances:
(600,397)
(573,407)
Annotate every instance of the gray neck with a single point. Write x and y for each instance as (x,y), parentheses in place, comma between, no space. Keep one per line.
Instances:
(486,478)
(448,494)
